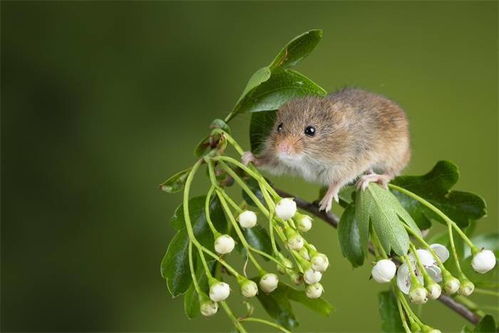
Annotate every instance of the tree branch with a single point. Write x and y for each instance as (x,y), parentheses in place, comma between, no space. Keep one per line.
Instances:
(333,221)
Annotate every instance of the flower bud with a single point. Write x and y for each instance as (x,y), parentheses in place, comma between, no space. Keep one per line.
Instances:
(296,242)
(219,291)
(314,290)
(320,262)
(304,223)
(467,287)
(483,261)
(224,244)
(428,329)
(285,208)
(415,327)
(249,288)
(286,264)
(269,282)
(451,284)
(304,253)
(310,276)
(208,308)
(418,295)
(296,278)
(434,291)
(384,271)
(247,219)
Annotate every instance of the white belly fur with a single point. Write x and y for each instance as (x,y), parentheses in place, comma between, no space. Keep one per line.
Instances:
(309,170)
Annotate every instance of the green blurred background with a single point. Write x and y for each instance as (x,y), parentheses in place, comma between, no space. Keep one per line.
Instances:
(101,101)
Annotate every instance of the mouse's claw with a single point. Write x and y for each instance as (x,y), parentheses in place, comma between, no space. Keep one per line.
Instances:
(248,158)
(325,205)
(327,201)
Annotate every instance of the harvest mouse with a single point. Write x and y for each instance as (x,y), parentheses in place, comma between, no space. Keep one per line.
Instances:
(336,139)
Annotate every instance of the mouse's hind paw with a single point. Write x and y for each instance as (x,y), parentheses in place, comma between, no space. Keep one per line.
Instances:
(364,180)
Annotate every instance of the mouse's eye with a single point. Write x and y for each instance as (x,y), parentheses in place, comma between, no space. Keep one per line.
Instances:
(309,131)
(279,128)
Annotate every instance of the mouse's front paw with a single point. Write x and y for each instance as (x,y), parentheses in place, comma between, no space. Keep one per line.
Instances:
(248,158)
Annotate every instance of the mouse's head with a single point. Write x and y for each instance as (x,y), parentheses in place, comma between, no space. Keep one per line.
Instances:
(310,127)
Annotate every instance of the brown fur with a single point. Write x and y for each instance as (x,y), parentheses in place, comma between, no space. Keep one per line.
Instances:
(356,131)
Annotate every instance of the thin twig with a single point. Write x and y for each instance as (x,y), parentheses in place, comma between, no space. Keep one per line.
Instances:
(460,309)
(333,221)
(312,208)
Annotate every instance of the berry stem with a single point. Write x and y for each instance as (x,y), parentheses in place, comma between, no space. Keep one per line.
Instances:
(207,211)
(188,224)
(240,328)
(426,276)
(486,292)
(402,317)
(238,231)
(454,252)
(410,314)
(193,274)
(266,322)
(259,178)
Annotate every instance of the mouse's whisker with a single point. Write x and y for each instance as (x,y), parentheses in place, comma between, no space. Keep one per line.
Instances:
(298,140)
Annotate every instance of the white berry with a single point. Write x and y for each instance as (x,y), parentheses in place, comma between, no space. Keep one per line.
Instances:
(224,244)
(483,261)
(247,219)
(219,291)
(285,208)
(384,271)
(269,282)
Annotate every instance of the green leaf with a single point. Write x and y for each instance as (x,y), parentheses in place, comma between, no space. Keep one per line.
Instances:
(486,325)
(277,304)
(198,218)
(297,49)
(261,125)
(175,265)
(258,238)
(488,241)
(176,182)
(191,303)
(278,307)
(191,297)
(258,77)
(204,146)
(319,305)
(381,208)
(219,123)
(418,212)
(389,313)
(349,237)
(466,329)
(255,188)
(271,86)
(435,187)
(281,87)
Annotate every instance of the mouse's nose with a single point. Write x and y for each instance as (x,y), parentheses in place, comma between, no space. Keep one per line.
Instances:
(284,147)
